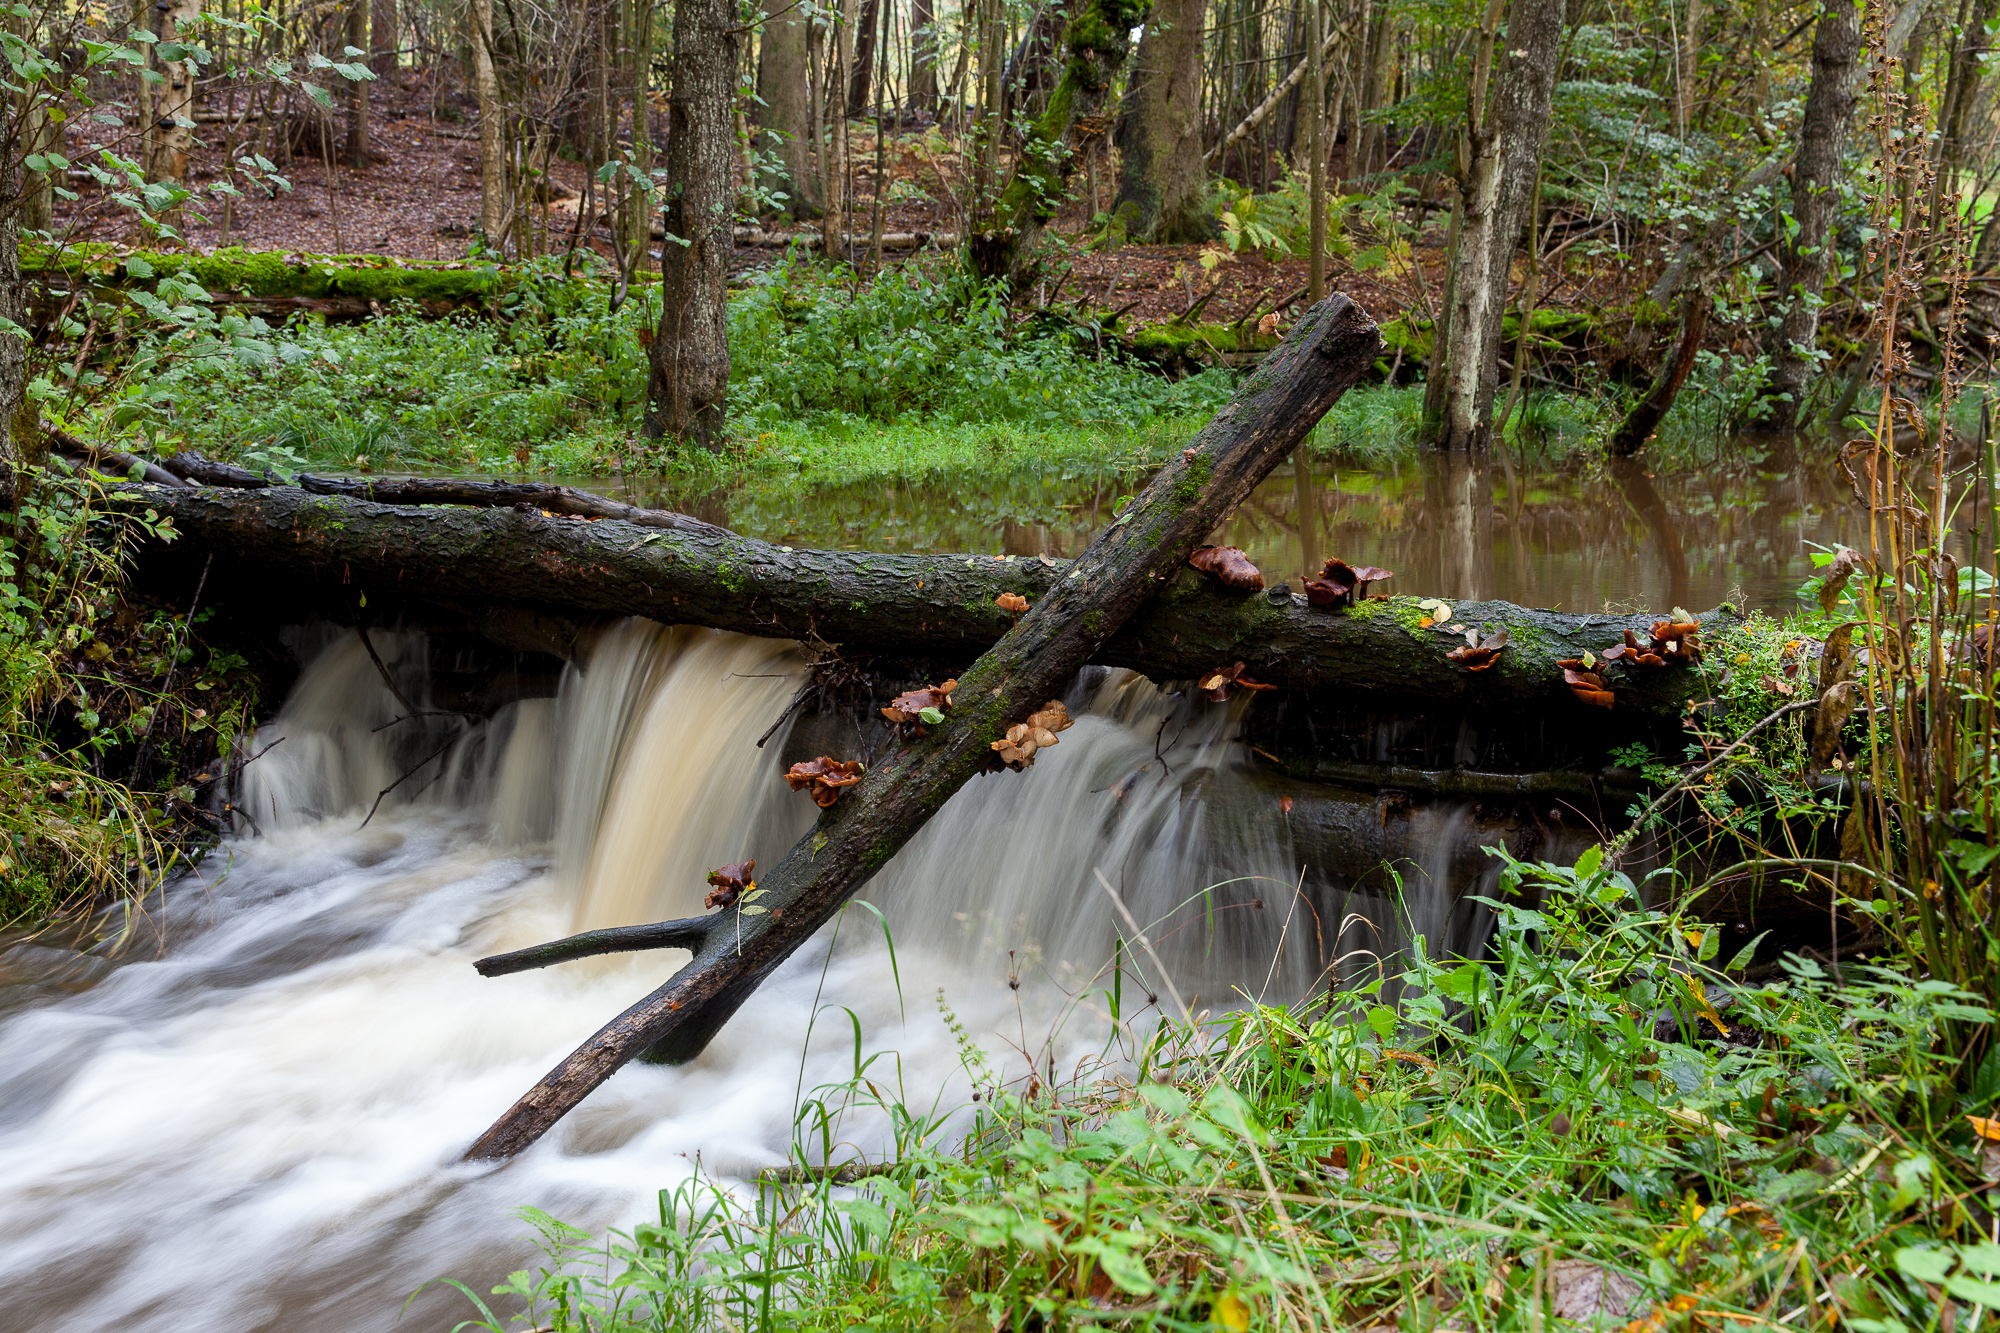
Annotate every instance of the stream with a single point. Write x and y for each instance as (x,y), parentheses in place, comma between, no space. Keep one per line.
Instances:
(249,1117)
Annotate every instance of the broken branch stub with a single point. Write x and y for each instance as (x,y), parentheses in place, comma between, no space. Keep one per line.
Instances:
(1261,424)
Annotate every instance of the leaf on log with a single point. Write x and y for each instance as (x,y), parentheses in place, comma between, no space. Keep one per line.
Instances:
(911,709)
(1017,749)
(1479,653)
(1229,565)
(1222,681)
(729,881)
(824,776)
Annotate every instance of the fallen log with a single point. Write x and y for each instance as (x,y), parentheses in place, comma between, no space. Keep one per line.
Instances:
(1065,628)
(535,495)
(290,544)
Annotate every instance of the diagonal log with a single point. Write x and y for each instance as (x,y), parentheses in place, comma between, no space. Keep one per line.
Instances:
(687,933)
(1066,628)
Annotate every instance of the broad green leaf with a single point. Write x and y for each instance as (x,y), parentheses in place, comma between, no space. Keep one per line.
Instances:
(1924,1263)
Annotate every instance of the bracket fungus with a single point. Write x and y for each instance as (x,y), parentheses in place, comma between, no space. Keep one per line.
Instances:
(1218,684)
(1229,565)
(1017,748)
(729,881)
(824,776)
(912,709)
(1585,682)
(1341,584)
(1479,653)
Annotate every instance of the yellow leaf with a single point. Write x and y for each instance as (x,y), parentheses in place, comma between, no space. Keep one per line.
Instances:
(1230,1312)
(1984,1128)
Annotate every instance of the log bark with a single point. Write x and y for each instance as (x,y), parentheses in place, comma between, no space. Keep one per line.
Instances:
(284,541)
(1065,629)
(785,122)
(1162,179)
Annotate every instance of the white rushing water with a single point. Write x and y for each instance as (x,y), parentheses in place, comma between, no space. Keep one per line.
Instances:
(251,1118)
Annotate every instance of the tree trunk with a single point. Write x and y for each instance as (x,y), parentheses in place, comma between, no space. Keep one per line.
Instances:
(385,38)
(1500,160)
(1807,253)
(40,133)
(1097,41)
(1645,418)
(923,56)
(786,124)
(492,140)
(18,440)
(1162,179)
(173,104)
(1032,663)
(685,397)
(546,578)
(357,89)
(863,67)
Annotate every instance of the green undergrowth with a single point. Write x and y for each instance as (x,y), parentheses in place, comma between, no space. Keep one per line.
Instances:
(1608,1123)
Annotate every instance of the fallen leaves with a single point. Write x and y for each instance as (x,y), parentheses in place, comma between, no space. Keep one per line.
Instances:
(1479,653)
(824,777)
(1341,584)
(1218,683)
(1017,749)
(1229,565)
(1585,1291)
(729,881)
(913,709)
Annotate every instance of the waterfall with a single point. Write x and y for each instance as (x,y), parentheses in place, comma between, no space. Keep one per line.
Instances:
(253,1120)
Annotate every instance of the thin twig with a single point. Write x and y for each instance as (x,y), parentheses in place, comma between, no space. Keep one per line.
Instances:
(1618,845)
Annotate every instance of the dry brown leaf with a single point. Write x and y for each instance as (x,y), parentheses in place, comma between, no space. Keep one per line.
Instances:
(1833,581)
(1586,1292)
(824,777)
(729,881)
(1229,565)
(1218,683)
(1479,656)
(1835,707)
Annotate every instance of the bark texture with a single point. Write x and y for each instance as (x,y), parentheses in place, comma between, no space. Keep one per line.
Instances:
(1162,180)
(492,139)
(173,124)
(316,549)
(1807,253)
(16,434)
(690,353)
(1096,43)
(1500,160)
(786,126)
(357,89)
(1115,575)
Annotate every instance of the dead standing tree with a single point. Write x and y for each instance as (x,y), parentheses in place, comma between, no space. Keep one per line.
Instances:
(1120,570)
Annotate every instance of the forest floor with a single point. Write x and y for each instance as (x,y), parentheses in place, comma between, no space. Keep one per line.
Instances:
(418,197)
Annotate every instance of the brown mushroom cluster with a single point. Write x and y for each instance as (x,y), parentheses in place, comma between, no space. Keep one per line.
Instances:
(729,881)
(1672,643)
(824,777)
(1341,584)
(1585,682)
(1012,603)
(1220,683)
(1479,652)
(1229,565)
(1017,749)
(906,711)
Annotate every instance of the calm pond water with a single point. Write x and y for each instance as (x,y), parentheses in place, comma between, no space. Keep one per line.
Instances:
(1584,538)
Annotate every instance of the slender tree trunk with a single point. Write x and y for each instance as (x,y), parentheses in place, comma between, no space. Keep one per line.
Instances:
(1162,180)
(19,441)
(1097,41)
(638,181)
(385,38)
(1316,149)
(1689,67)
(690,354)
(863,70)
(923,56)
(357,89)
(1500,161)
(1807,252)
(173,107)
(40,133)
(492,139)
(785,127)
(1645,418)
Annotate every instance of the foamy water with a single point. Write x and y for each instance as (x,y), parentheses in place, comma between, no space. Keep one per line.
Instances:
(253,1119)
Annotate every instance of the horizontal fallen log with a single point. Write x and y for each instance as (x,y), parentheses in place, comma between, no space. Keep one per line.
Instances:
(687,933)
(565,570)
(565,500)
(111,462)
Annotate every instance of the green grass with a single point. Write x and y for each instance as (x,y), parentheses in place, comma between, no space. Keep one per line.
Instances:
(1608,1122)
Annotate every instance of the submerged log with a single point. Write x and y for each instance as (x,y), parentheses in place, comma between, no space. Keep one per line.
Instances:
(474,563)
(1066,627)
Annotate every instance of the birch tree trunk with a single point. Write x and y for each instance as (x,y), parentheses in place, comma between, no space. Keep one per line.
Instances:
(785,129)
(1806,254)
(1162,180)
(1501,155)
(492,141)
(173,124)
(690,353)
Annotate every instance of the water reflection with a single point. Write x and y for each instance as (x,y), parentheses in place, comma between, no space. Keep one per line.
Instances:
(1609,536)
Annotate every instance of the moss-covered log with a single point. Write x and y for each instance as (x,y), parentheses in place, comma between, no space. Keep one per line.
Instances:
(308,550)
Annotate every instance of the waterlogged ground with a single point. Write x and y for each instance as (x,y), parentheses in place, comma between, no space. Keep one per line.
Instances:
(1576,538)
